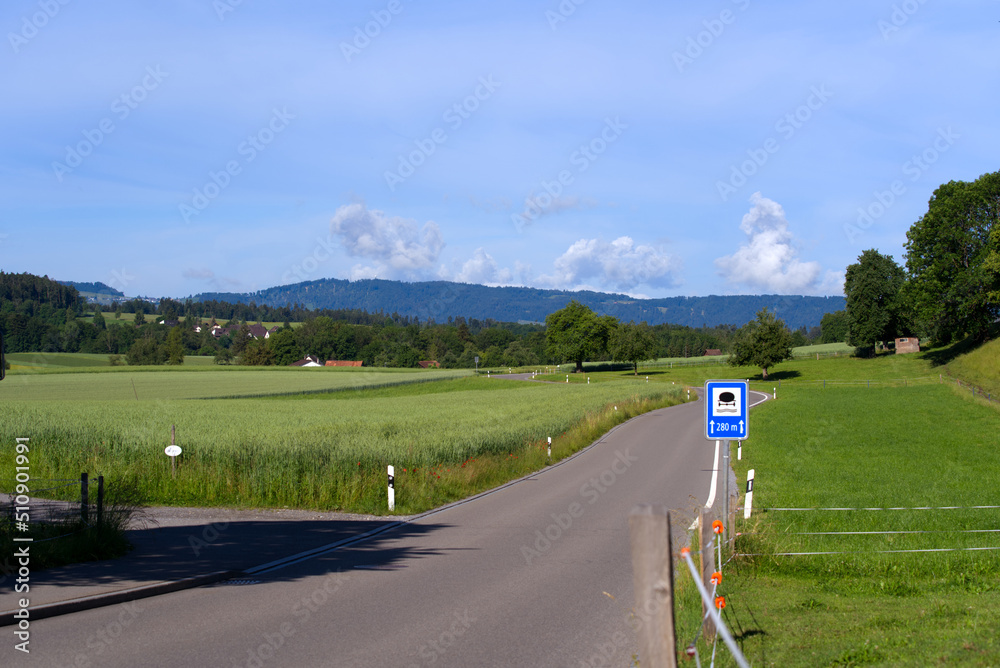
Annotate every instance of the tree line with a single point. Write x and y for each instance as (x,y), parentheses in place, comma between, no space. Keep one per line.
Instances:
(40,315)
(949,287)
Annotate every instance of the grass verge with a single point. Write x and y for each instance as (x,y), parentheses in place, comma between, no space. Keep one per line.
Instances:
(877,598)
(70,540)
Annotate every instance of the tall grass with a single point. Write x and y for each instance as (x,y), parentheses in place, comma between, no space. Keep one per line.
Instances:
(324,452)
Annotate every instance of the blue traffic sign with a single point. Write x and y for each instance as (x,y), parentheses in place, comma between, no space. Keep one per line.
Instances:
(726,409)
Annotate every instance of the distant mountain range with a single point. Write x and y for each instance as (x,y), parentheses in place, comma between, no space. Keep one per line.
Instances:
(440,300)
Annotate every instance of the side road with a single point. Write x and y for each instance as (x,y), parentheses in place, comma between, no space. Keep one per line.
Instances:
(177,548)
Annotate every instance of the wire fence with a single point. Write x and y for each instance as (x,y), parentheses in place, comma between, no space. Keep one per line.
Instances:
(20,512)
(982,532)
(975,389)
(714,605)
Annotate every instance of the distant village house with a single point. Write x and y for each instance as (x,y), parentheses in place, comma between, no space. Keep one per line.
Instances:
(907,344)
(308,360)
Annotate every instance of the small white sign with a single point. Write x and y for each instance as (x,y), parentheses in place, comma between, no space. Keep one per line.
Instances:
(172,450)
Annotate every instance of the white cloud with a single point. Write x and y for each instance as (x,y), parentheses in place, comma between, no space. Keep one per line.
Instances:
(620,264)
(769,260)
(482,269)
(398,246)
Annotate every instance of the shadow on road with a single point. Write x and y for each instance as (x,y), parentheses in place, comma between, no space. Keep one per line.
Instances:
(175,552)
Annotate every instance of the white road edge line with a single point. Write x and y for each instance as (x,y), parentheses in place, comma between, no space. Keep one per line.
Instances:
(715,470)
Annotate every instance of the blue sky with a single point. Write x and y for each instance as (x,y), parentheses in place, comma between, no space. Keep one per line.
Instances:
(656,149)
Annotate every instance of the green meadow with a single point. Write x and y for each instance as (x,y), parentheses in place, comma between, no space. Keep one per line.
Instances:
(324,444)
(159,383)
(894,587)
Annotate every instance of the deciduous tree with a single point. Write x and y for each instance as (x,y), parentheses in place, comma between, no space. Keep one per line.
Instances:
(175,346)
(833,327)
(633,343)
(576,333)
(762,342)
(874,304)
(949,280)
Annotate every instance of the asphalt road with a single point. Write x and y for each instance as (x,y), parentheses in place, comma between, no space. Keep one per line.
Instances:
(536,573)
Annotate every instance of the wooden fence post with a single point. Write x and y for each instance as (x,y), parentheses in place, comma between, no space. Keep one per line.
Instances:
(734,499)
(83,497)
(653,581)
(705,538)
(100,499)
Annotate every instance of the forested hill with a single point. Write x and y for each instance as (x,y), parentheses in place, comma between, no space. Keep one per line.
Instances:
(440,300)
(95,288)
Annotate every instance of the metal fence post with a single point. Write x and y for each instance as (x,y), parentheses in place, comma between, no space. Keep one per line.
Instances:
(706,535)
(725,486)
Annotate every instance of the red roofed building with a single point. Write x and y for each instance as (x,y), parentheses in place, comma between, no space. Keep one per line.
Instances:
(344,362)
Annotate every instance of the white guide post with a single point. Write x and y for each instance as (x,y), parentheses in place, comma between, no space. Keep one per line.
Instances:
(749,497)
(392,488)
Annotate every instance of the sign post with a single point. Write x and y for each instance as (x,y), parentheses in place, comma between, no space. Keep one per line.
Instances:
(727,418)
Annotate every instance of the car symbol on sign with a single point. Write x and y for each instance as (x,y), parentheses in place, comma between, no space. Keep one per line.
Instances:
(726,403)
